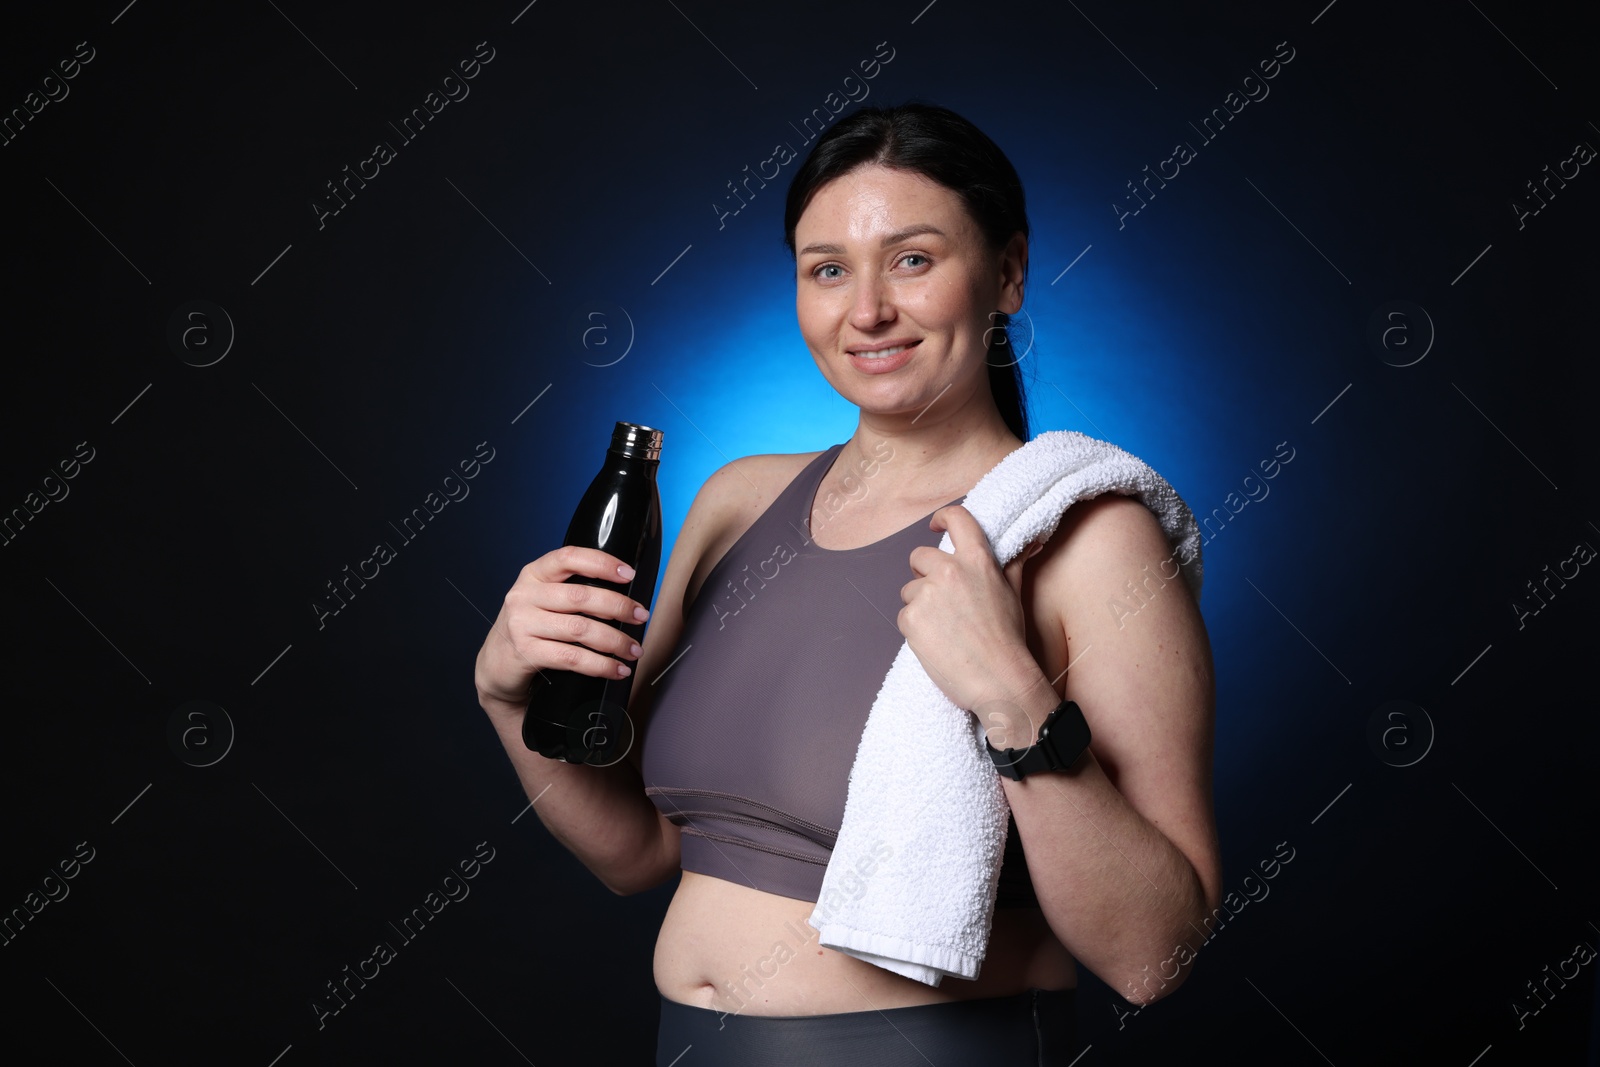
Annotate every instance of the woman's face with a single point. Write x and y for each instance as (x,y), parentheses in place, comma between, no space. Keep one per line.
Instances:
(889,261)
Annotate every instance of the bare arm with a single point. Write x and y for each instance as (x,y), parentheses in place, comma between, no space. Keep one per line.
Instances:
(600,814)
(1122,848)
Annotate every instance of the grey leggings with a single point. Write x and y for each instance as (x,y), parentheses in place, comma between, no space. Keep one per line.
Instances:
(1034,1028)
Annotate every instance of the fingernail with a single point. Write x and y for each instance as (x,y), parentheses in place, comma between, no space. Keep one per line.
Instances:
(623,670)
(641,614)
(626,571)
(636,650)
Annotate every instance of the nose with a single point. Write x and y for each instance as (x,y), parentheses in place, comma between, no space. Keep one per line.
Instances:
(873,305)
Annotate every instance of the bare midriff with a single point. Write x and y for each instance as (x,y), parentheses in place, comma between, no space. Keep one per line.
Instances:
(731,948)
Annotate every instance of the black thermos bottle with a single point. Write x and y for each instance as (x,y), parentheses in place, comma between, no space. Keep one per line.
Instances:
(577,717)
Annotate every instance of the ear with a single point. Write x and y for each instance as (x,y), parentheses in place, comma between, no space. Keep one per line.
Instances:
(1013,271)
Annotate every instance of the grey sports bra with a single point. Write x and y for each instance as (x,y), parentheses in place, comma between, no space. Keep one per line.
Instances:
(757,717)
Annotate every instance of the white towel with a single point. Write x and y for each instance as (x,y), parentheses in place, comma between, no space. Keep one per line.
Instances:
(911,883)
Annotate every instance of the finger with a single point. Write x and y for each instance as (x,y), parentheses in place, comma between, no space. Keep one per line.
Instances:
(966,534)
(559,655)
(562,563)
(1013,570)
(571,611)
(536,586)
(510,682)
(581,631)
(533,656)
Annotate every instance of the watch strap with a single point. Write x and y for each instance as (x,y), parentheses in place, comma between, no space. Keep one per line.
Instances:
(1061,741)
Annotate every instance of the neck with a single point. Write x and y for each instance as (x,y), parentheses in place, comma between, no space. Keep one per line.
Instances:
(937,453)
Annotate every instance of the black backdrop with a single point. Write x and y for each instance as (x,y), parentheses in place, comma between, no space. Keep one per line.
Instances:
(220,393)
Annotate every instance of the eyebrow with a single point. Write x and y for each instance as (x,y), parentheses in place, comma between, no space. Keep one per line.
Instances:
(893,238)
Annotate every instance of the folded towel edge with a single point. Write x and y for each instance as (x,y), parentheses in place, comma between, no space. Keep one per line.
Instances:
(897,954)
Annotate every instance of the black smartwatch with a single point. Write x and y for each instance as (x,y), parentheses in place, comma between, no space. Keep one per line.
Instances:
(1062,739)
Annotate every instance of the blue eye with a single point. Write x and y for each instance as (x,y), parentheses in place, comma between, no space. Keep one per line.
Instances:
(825,266)
(914,255)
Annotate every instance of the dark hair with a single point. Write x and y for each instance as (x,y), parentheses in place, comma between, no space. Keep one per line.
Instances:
(941,145)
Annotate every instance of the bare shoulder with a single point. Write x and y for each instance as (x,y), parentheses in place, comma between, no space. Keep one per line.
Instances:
(750,482)
(730,501)
(1109,591)
(1100,544)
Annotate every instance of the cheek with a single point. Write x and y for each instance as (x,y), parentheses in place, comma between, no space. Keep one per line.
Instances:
(953,309)
(823,312)
(820,337)
(813,320)
(938,305)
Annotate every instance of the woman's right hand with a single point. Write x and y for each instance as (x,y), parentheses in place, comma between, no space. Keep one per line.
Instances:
(542,624)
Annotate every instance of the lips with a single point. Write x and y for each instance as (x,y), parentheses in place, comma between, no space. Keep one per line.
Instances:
(882,358)
(882,351)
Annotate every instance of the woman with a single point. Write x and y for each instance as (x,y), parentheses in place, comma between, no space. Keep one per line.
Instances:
(910,239)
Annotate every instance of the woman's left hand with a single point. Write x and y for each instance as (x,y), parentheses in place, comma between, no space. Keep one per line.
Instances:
(963,616)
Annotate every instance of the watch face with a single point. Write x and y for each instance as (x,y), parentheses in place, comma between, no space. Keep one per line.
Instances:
(1062,740)
(1069,735)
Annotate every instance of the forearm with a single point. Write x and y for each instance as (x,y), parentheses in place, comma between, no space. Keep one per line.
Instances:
(1116,891)
(600,814)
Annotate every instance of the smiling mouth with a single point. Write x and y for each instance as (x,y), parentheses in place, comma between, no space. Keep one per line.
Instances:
(882,353)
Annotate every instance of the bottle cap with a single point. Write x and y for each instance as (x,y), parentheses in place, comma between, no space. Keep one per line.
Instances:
(636,441)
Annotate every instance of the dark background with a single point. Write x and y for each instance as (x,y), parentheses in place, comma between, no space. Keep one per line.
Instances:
(347,766)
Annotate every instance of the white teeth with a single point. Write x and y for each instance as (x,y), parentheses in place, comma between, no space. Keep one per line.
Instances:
(882,354)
